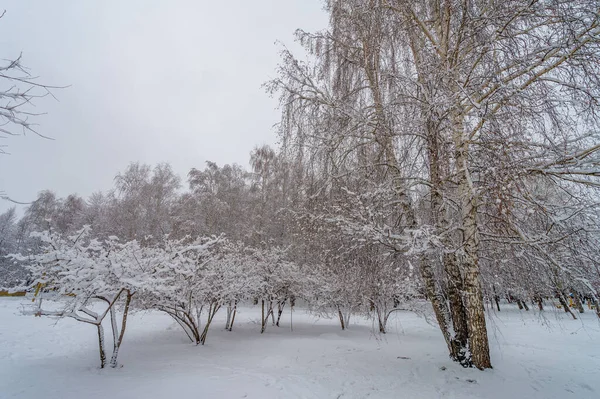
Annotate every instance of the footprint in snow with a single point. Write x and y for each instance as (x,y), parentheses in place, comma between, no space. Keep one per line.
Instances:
(470,381)
(586,386)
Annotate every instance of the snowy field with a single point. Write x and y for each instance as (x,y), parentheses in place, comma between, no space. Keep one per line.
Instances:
(533,357)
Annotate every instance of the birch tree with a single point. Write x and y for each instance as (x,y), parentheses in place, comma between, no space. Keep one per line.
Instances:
(436,85)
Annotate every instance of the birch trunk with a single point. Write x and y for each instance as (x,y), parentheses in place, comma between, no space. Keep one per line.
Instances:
(440,309)
(478,338)
(459,340)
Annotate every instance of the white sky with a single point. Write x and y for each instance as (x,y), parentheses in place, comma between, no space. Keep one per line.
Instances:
(151,81)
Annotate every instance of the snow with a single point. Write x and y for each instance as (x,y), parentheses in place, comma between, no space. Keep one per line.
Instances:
(533,357)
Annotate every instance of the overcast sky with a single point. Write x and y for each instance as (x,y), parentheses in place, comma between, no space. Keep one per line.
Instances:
(150,81)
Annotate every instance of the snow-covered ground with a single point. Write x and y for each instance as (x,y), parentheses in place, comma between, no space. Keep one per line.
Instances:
(534,357)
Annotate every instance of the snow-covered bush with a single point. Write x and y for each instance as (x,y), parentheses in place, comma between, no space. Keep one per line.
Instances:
(87,275)
(188,278)
(279,281)
(171,280)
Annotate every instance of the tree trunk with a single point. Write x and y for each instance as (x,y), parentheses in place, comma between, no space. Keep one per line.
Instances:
(265,316)
(562,302)
(565,304)
(341,319)
(457,309)
(577,301)
(117,345)
(262,317)
(440,309)
(457,341)
(114,328)
(520,304)
(212,311)
(229,312)
(233,316)
(497,300)
(262,307)
(347,315)
(478,338)
(540,303)
(280,307)
(381,319)
(272,313)
(476,318)
(101,345)
(191,332)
